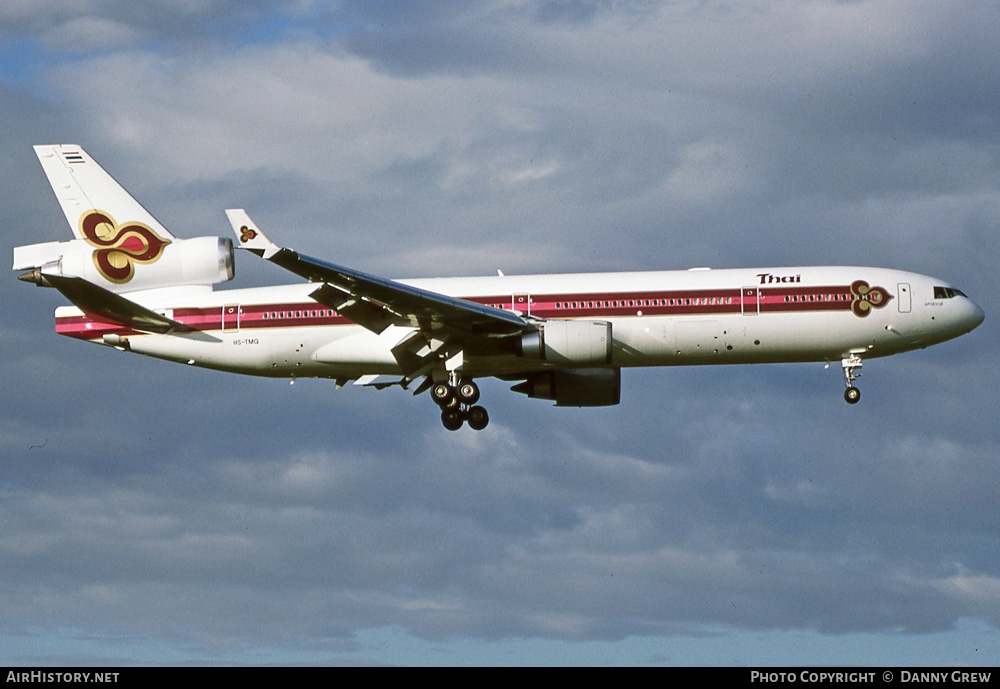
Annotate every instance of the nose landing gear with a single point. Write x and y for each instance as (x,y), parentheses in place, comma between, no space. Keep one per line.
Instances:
(851,366)
(458,405)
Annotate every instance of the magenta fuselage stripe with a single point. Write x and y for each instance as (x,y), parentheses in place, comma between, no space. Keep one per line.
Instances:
(564,305)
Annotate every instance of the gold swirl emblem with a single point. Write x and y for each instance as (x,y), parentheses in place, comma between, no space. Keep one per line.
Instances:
(865,298)
(120,247)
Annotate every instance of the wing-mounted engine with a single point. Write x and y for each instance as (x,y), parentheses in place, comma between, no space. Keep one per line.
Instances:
(569,342)
(588,387)
(134,260)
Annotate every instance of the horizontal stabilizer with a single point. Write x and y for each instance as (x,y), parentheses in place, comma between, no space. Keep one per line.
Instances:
(113,308)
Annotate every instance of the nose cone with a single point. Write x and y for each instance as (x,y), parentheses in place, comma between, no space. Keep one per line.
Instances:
(960,316)
(973,316)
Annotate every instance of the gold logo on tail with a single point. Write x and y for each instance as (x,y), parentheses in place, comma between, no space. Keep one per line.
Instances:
(120,247)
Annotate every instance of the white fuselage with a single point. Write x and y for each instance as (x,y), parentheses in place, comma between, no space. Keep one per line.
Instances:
(664,318)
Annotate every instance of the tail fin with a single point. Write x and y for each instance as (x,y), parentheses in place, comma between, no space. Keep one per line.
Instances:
(82,186)
(119,245)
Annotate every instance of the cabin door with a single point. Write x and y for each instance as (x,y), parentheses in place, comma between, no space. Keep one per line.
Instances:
(231,318)
(904,298)
(750,301)
(521,303)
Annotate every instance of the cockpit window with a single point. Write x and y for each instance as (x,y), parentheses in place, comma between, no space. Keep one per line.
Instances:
(947,293)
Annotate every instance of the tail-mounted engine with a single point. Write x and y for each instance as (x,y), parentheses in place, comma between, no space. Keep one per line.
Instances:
(136,263)
(588,387)
(569,342)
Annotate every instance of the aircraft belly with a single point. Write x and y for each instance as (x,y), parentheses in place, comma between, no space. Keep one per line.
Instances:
(738,339)
(352,351)
(277,353)
(359,346)
(642,341)
(222,351)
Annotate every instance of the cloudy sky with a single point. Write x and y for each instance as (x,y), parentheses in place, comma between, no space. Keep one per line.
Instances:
(151,513)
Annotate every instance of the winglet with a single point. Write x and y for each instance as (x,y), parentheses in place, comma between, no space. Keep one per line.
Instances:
(249,235)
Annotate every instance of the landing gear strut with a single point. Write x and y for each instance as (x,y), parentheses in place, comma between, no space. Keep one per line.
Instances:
(851,366)
(457,400)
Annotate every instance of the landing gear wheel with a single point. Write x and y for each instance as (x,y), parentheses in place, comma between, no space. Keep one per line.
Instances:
(468,393)
(452,419)
(852,368)
(477,418)
(456,399)
(442,394)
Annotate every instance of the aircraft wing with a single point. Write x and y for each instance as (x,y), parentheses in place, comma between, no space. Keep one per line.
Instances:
(376,303)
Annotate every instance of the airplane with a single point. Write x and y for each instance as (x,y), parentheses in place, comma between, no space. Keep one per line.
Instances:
(562,337)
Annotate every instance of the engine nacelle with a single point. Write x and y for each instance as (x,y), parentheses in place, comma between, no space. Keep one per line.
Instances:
(137,263)
(570,342)
(589,387)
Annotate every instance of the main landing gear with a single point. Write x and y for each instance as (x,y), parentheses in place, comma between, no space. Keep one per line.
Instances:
(852,366)
(457,400)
